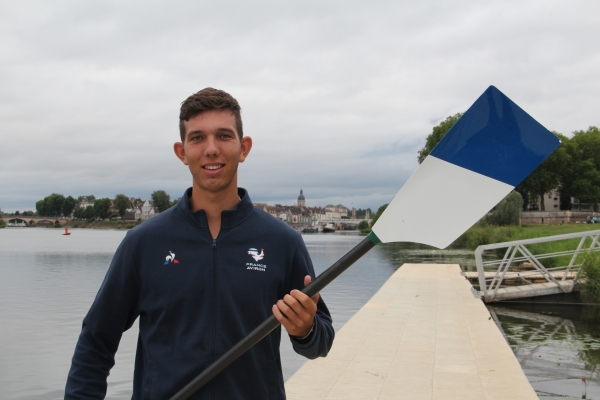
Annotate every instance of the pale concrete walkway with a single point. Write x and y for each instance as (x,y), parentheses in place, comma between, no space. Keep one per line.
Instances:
(422,336)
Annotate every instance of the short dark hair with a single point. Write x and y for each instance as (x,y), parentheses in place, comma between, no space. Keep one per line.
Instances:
(209,99)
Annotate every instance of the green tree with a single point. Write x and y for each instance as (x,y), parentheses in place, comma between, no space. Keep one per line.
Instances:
(507,212)
(2,223)
(78,213)
(101,208)
(547,176)
(88,213)
(54,204)
(437,134)
(121,204)
(374,219)
(68,206)
(161,200)
(581,176)
(40,207)
(50,206)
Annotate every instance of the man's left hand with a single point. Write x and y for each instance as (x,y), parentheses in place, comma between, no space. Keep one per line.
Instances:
(296,311)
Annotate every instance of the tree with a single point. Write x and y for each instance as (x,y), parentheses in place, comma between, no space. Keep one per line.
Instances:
(40,207)
(507,212)
(547,176)
(88,213)
(175,201)
(378,214)
(68,206)
(437,134)
(101,208)
(581,176)
(161,200)
(121,204)
(78,213)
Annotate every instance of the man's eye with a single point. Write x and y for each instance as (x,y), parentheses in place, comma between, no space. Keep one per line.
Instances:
(196,138)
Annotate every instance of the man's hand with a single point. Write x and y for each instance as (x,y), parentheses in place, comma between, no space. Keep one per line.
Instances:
(296,311)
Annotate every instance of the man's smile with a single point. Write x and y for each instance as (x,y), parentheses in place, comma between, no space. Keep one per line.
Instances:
(213,167)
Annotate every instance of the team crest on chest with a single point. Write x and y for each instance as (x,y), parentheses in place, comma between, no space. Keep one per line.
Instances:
(170,259)
(257,257)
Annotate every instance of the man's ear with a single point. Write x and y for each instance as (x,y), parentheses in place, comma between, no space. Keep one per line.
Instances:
(246,147)
(180,152)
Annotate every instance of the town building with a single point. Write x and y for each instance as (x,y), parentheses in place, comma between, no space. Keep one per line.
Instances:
(300,215)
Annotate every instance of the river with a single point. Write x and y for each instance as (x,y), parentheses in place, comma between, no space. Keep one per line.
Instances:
(49,282)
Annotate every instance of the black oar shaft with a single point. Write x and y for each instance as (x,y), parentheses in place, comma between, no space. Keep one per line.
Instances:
(271,323)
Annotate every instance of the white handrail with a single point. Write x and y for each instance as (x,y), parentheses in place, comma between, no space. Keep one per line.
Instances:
(517,252)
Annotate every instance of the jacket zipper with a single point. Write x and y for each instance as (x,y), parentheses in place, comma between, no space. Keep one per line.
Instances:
(214,309)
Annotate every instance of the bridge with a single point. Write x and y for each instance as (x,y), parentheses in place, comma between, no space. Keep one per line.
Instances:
(342,221)
(32,221)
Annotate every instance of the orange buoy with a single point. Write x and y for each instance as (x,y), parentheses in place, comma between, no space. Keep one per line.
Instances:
(66,232)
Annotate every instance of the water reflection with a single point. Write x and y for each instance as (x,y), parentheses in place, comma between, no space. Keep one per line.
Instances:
(558,346)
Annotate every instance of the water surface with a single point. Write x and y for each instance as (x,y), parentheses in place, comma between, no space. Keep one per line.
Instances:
(49,282)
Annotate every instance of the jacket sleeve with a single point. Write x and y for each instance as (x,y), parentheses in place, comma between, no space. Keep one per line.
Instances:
(319,341)
(113,311)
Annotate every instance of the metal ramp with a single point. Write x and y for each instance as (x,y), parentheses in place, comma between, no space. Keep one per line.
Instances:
(518,274)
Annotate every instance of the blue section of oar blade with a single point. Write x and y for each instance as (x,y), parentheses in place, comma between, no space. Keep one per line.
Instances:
(496,138)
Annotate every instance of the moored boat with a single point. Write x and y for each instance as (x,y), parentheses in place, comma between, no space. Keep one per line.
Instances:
(328,228)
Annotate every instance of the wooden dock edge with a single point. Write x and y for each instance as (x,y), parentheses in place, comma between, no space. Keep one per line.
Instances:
(423,335)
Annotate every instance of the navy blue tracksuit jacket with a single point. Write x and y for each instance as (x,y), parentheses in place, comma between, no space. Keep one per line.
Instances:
(196,298)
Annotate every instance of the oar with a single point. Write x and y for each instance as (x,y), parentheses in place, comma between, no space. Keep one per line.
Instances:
(489,151)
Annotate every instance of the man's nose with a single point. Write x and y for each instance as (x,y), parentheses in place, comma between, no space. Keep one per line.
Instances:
(212,148)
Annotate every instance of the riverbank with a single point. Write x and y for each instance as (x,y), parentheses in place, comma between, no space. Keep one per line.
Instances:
(480,235)
(101,224)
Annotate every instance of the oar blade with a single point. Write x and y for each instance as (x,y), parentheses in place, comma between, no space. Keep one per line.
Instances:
(486,154)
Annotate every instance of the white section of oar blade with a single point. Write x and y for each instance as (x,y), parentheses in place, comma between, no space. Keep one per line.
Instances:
(438,203)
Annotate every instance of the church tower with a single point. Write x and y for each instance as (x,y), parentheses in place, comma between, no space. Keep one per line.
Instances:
(301,200)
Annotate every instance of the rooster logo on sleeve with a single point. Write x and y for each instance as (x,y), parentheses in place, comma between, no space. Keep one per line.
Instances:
(254,253)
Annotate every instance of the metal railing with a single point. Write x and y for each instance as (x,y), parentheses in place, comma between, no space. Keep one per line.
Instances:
(517,252)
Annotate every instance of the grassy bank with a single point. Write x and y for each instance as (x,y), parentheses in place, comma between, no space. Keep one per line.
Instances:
(480,235)
(590,278)
(102,224)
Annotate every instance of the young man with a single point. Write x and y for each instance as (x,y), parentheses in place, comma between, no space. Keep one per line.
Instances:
(202,275)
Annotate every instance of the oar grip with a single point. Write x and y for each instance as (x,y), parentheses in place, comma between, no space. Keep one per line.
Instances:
(271,323)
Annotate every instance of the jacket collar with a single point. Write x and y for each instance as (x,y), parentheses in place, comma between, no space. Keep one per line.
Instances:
(229,218)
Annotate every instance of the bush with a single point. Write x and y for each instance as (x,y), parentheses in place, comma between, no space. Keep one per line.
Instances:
(507,212)
(590,278)
(477,237)
(2,223)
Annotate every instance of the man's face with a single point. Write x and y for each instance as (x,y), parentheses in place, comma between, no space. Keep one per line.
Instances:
(212,150)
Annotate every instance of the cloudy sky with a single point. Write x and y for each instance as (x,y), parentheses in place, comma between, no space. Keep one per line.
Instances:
(338,96)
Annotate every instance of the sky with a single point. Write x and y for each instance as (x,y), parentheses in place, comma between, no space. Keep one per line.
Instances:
(338,96)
